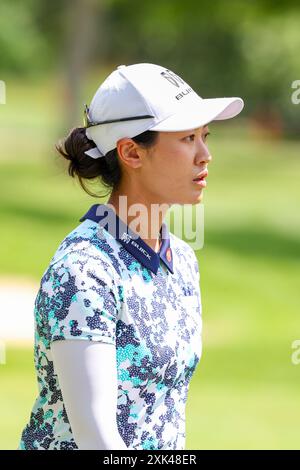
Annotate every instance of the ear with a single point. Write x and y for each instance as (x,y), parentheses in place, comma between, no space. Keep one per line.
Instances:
(130,152)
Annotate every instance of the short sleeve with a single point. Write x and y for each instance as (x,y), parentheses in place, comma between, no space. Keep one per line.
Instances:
(81,299)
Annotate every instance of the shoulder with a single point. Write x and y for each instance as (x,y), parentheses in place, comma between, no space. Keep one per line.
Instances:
(185,257)
(181,247)
(84,255)
(84,243)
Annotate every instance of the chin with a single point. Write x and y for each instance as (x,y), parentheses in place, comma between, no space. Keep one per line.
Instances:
(193,198)
(197,198)
(200,197)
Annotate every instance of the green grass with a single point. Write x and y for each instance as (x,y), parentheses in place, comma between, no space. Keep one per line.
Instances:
(244,393)
(17,393)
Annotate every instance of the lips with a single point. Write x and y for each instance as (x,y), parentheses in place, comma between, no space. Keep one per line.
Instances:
(201,175)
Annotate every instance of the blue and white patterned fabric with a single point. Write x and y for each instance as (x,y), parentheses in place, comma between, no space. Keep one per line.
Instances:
(113,288)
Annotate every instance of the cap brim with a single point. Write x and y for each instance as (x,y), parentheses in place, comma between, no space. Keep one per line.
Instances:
(94,153)
(205,111)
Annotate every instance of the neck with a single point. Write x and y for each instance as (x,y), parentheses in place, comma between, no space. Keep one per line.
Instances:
(144,217)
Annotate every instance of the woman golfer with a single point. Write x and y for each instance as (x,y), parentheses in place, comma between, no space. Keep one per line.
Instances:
(118,313)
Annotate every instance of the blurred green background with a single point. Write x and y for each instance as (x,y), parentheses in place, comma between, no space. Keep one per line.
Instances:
(245,391)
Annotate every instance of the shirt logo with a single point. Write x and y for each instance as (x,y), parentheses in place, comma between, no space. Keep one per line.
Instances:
(125,237)
(169,255)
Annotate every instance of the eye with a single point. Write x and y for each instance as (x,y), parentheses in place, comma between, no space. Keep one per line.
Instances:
(191,135)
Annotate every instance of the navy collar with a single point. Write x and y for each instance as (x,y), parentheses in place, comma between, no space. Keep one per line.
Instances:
(101,213)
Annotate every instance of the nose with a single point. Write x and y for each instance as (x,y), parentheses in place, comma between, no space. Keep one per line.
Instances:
(203,154)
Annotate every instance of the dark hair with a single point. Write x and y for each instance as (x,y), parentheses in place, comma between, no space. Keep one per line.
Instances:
(107,168)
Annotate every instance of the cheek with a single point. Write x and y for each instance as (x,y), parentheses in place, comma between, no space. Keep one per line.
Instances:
(181,165)
(172,166)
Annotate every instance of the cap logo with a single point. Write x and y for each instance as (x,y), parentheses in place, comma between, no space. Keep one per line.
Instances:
(173,78)
(168,255)
(176,81)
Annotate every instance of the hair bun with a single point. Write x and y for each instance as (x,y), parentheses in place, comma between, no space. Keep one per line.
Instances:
(107,170)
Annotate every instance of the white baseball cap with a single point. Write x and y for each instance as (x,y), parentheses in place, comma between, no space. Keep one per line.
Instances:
(140,97)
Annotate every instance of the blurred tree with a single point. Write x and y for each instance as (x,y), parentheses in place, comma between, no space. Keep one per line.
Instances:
(221,48)
(23,49)
(78,46)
